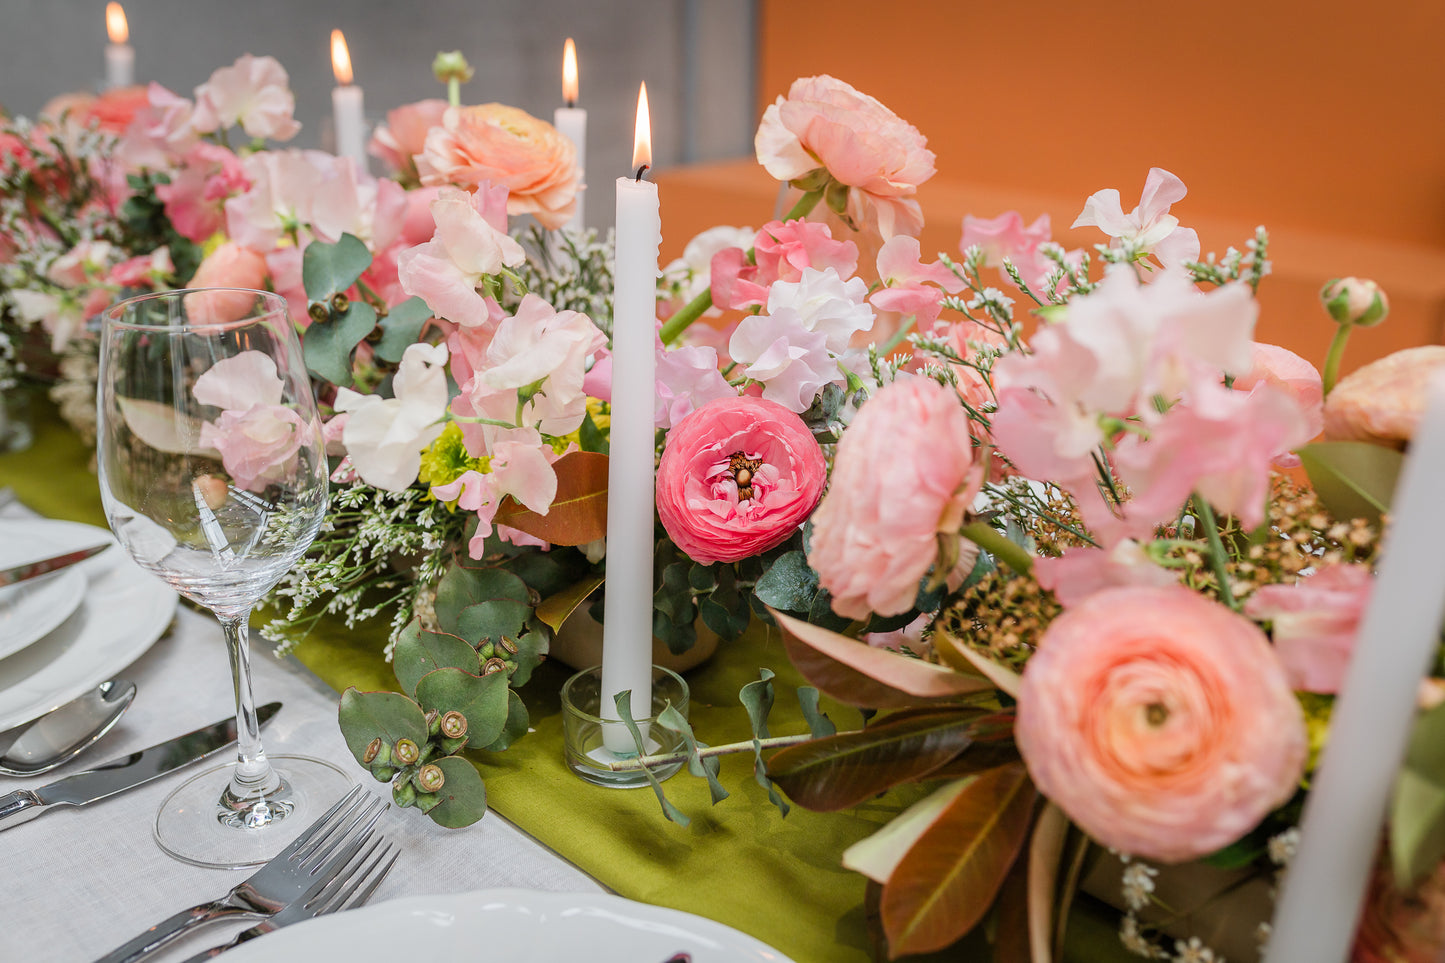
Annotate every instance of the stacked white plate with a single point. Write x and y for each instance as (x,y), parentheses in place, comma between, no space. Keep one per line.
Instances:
(65,633)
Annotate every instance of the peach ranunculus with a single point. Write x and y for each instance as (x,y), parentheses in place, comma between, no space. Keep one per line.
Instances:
(510,148)
(397,142)
(113,110)
(228,266)
(903,476)
(824,122)
(1159,721)
(1383,402)
(738,476)
(254,92)
(1315,623)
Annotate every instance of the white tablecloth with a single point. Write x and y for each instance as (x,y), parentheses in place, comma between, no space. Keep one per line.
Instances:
(75,883)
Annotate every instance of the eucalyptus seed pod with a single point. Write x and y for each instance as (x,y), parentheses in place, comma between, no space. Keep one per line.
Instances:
(433,722)
(454,725)
(340,303)
(403,793)
(486,650)
(382,773)
(450,746)
(319,314)
(406,752)
(427,801)
(428,751)
(508,646)
(430,778)
(493,665)
(376,752)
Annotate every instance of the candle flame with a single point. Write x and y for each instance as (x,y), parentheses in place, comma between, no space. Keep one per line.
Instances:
(115,24)
(642,139)
(340,58)
(569,73)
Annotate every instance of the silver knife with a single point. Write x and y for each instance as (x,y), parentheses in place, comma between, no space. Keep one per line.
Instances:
(45,566)
(125,772)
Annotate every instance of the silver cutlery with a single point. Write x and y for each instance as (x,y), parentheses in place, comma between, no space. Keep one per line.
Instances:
(21,573)
(364,876)
(295,875)
(59,735)
(124,772)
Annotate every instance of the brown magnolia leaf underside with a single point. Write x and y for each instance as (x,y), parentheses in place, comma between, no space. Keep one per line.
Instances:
(578,514)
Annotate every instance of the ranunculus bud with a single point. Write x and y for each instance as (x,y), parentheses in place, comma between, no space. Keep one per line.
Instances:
(1355,301)
(430,778)
(406,752)
(451,65)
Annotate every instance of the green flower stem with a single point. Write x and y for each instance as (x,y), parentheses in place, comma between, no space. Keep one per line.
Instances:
(479,420)
(904,330)
(1217,557)
(454,91)
(698,306)
(1331,373)
(986,537)
(669,758)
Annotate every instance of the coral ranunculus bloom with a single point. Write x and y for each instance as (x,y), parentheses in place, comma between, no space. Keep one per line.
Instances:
(738,476)
(1160,721)
(1383,402)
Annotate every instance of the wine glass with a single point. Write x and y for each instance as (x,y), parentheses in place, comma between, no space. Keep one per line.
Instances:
(213,474)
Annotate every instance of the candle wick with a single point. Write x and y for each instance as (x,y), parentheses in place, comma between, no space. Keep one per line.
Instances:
(571,103)
(642,170)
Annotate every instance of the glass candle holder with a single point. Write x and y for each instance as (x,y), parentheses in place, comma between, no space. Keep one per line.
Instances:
(583,728)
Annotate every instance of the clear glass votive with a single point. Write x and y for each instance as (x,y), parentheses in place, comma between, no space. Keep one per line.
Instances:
(583,728)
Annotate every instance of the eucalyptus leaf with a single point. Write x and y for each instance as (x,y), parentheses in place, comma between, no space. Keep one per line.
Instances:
(674,596)
(493,619)
(462,587)
(757,699)
(481,698)
(789,584)
(419,652)
(678,637)
(623,701)
(822,613)
(401,328)
(532,646)
(670,718)
(387,716)
(327,345)
(1417,808)
(1354,479)
(818,722)
(329,269)
(515,726)
(463,796)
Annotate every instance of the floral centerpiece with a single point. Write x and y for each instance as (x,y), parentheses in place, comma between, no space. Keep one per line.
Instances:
(1081,565)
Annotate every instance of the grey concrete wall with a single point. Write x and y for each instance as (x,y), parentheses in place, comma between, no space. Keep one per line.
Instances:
(695,55)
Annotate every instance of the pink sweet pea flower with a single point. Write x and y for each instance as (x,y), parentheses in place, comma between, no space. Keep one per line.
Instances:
(738,476)
(1080,572)
(824,122)
(781,251)
(160,131)
(195,198)
(144,270)
(1149,228)
(1289,372)
(256,435)
(445,271)
(1006,236)
(911,287)
(1161,722)
(692,272)
(519,467)
(1315,623)
(397,142)
(253,92)
(283,188)
(903,476)
(687,379)
(86,262)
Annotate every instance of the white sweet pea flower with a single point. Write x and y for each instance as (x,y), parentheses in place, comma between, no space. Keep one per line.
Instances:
(1149,228)
(692,273)
(385,436)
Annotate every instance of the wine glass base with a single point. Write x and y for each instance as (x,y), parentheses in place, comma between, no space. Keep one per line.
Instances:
(200,824)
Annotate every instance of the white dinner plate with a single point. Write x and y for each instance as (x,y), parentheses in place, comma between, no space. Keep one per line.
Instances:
(122,612)
(30,610)
(509,926)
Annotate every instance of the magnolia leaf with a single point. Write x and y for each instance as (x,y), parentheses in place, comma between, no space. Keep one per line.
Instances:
(855,673)
(1046,850)
(329,269)
(841,771)
(1010,923)
(966,658)
(515,726)
(401,328)
(462,587)
(623,701)
(462,797)
(670,718)
(387,716)
(164,428)
(1417,808)
(418,652)
(878,855)
(1354,479)
(554,610)
(818,722)
(578,514)
(481,698)
(327,345)
(948,879)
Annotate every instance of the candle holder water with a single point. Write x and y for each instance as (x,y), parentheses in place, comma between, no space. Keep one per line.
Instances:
(586,733)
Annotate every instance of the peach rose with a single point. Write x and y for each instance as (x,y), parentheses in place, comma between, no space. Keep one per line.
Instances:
(903,474)
(1383,401)
(738,476)
(824,122)
(1160,721)
(509,148)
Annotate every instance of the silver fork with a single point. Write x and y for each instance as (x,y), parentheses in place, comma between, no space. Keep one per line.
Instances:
(317,855)
(364,875)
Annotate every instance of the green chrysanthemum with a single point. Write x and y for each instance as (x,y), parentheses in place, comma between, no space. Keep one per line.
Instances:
(447,458)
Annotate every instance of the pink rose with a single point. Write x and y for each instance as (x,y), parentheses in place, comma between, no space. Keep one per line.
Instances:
(824,122)
(1383,402)
(738,476)
(511,149)
(1315,623)
(1161,722)
(397,142)
(228,266)
(253,92)
(903,474)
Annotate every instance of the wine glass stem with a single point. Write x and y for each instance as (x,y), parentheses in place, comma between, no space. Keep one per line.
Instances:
(253,776)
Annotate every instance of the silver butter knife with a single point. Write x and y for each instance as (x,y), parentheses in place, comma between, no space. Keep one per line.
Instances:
(125,772)
(45,566)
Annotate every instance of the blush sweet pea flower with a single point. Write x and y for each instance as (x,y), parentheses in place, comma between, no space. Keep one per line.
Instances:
(256,435)
(738,476)
(903,476)
(283,188)
(254,92)
(502,145)
(824,122)
(1149,228)
(1315,623)
(397,142)
(519,466)
(1082,571)
(911,287)
(194,200)
(1289,372)
(1006,236)
(1159,721)
(385,436)
(467,247)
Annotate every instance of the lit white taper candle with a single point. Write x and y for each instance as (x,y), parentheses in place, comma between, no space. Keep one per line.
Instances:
(571,122)
(347,105)
(627,626)
(119,55)
(1370,726)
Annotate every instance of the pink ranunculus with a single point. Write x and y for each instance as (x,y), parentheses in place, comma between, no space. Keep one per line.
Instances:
(228,266)
(1315,622)
(1288,371)
(510,148)
(1080,572)
(397,142)
(467,247)
(824,122)
(1149,228)
(738,476)
(1161,722)
(257,445)
(1383,402)
(253,92)
(903,475)
(911,287)
(195,198)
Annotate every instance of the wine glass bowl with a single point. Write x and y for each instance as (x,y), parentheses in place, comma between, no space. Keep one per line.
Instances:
(213,475)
